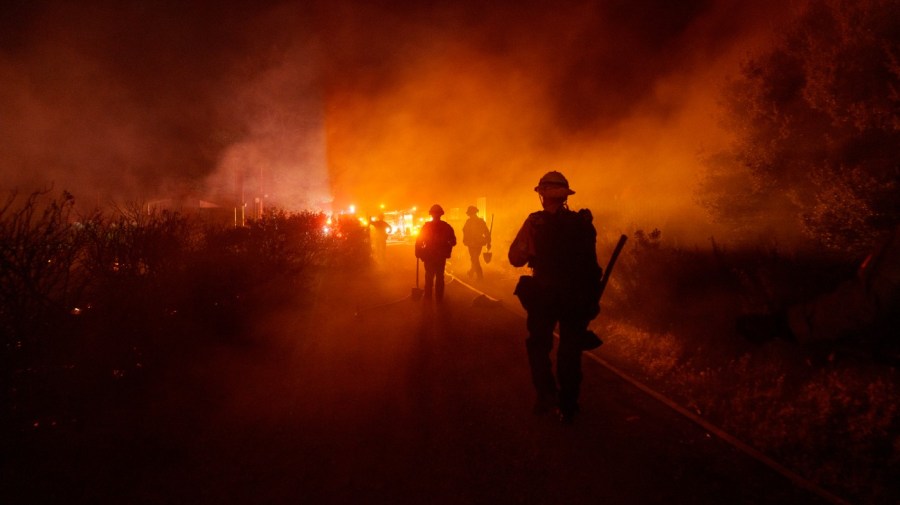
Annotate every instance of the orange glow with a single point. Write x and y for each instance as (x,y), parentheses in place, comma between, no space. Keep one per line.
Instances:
(441,136)
(335,114)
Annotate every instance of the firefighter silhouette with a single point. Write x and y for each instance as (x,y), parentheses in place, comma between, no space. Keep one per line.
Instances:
(379,230)
(475,236)
(433,246)
(559,245)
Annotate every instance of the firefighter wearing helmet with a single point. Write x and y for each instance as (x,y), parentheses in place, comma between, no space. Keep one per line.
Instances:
(560,247)
(476,235)
(379,230)
(433,246)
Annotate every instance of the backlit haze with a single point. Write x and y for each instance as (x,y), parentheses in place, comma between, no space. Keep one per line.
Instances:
(320,105)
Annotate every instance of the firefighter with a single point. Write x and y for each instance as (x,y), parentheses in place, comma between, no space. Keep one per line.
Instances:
(559,246)
(475,236)
(433,246)
(379,231)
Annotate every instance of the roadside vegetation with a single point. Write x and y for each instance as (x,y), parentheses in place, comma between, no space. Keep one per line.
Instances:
(93,307)
(827,410)
(807,187)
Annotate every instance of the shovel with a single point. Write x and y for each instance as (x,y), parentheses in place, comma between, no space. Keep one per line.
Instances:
(416,292)
(488,254)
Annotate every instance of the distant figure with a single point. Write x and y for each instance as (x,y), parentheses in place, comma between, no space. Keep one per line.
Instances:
(475,236)
(866,305)
(379,232)
(559,245)
(433,247)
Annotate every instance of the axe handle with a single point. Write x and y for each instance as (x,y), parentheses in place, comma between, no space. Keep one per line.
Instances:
(612,263)
(491,232)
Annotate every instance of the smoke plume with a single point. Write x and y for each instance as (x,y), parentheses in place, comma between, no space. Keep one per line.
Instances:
(326,104)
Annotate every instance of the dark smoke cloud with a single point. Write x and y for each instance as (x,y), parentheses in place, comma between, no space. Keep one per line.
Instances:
(119,98)
(593,60)
(361,101)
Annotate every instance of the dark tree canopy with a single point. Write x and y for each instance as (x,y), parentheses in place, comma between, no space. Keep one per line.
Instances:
(817,129)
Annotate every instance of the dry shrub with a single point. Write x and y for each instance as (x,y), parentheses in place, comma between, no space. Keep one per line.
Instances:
(829,411)
(92,306)
(39,253)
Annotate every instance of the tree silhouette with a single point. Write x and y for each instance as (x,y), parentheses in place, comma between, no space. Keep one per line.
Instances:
(817,130)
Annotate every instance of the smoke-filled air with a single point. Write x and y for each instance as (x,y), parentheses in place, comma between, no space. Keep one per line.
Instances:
(323,105)
(449,251)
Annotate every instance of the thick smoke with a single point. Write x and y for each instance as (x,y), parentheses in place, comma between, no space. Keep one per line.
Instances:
(309,105)
(109,101)
(448,104)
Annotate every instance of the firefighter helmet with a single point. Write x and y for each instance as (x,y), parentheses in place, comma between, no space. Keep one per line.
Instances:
(472,210)
(436,210)
(554,185)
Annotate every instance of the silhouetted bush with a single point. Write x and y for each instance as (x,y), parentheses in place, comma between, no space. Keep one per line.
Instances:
(40,251)
(826,410)
(91,304)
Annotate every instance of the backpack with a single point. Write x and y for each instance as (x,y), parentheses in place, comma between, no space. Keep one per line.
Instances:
(435,241)
(565,255)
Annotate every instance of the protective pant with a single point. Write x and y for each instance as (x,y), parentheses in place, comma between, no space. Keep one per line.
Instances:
(475,256)
(379,247)
(434,278)
(539,343)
